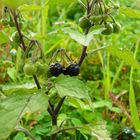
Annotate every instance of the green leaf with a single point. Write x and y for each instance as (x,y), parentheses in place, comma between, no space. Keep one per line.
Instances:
(125,55)
(132,100)
(71,87)
(130,12)
(81,38)
(108,104)
(29,8)
(133,108)
(76,121)
(12,73)
(77,103)
(19,136)
(14,3)
(13,107)
(3,38)
(12,87)
(100,131)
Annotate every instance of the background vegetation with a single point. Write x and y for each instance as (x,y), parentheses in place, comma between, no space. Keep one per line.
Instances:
(110,77)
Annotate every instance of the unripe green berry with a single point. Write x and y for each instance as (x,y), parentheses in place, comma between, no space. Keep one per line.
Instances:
(29,69)
(116,27)
(108,30)
(84,23)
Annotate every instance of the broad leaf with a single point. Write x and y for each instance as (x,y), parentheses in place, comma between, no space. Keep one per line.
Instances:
(130,12)
(72,87)
(97,130)
(100,131)
(3,38)
(125,55)
(81,38)
(13,107)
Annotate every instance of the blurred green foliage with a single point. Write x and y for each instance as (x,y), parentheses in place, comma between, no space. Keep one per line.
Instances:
(94,70)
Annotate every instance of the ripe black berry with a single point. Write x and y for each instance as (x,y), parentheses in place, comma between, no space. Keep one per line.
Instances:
(72,70)
(55,69)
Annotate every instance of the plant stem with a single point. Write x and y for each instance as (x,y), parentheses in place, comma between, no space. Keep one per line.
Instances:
(54,115)
(22,42)
(69,128)
(83,55)
(57,109)
(37,82)
(84,49)
(18,29)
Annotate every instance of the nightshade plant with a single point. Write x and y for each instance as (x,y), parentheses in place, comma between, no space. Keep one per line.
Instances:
(61,82)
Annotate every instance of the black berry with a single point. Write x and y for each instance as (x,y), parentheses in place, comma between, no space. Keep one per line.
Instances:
(55,69)
(72,70)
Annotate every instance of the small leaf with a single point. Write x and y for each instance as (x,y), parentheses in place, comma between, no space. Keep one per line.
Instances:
(12,73)
(15,106)
(130,12)
(77,103)
(108,104)
(19,136)
(3,38)
(81,38)
(125,55)
(72,87)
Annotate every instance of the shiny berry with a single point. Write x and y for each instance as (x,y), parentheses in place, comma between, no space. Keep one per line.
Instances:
(55,69)
(72,70)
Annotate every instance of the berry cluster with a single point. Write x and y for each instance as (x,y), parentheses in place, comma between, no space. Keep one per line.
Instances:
(56,69)
(101,14)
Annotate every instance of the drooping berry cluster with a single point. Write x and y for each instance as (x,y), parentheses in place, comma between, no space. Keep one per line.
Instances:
(101,15)
(56,69)
(62,64)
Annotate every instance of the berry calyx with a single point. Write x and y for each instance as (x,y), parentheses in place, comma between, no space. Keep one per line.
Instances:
(96,19)
(108,30)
